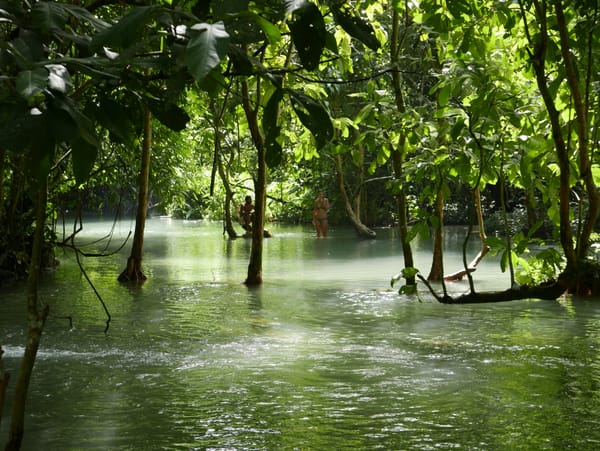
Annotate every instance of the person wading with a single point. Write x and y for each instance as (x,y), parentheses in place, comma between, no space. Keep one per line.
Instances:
(320,211)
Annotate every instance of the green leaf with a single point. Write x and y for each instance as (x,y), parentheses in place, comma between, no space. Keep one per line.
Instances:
(221,9)
(18,124)
(444,95)
(169,114)
(41,150)
(128,30)
(213,83)
(113,116)
(85,127)
(449,112)
(63,126)
(458,8)
(395,278)
(408,289)
(313,116)
(421,228)
(308,33)
(83,158)
(48,16)
(207,47)
(242,63)
(25,49)
(504,260)
(365,113)
(356,27)
(406,273)
(457,128)
(271,31)
(274,152)
(409,272)
(596,174)
(31,83)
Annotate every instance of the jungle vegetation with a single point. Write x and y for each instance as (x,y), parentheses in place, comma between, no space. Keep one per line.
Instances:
(409,114)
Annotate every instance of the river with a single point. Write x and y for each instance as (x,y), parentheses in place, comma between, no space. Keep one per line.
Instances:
(325,355)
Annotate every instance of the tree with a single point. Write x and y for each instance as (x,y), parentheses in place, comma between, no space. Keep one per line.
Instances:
(133,271)
(576,144)
(48,48)
(548,50)
(38,96)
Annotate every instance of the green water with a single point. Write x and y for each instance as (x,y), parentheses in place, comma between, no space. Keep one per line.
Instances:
(323,356)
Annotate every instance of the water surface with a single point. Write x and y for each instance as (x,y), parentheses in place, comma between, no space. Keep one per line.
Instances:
(323,356)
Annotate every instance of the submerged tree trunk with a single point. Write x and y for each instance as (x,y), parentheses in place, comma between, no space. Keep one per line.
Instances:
(228,225)
(219,166)
(133,272)
(353,213)
(548,291)
(254,276)
(224,176)
(398,152)
(36,318)
(436,273)
(397,160)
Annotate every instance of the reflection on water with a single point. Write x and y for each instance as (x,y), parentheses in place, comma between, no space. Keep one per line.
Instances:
(323,356)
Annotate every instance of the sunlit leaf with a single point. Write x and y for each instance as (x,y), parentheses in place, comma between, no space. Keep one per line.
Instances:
(59,78)
(206,49)
(596,174)
(408,289)
(444,95)
(271,31)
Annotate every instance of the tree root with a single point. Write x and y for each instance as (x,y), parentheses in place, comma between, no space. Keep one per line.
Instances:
(547,291)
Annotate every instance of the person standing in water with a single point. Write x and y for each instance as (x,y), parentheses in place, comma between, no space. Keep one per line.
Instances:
(320,210)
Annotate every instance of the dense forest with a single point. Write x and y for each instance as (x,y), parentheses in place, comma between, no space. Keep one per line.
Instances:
(408,114)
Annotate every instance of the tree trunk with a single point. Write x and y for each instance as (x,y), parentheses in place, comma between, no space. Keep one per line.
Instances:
(397,160)
(228,226)
(133,272)
(538,59)
(585,166)
(35,324)
(548,291)
(436,273)
(219,166)
(224,175)
(362,230)
(398,153)
(254,276)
